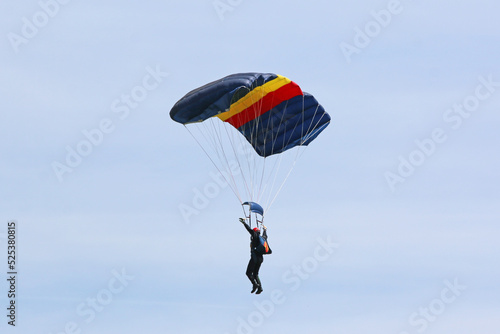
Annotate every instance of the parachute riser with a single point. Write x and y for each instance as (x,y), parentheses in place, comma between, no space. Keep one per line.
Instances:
(258,222)
(258,214)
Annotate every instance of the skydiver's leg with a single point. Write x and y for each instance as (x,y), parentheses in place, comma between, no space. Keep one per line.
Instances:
(259,260)
(251,269)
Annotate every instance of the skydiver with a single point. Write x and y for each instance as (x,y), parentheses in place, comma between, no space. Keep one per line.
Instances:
(256,257)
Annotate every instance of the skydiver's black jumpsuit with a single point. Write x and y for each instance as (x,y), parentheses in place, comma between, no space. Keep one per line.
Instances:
(256,258)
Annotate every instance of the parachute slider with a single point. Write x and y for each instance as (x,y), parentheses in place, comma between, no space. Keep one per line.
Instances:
(254,207)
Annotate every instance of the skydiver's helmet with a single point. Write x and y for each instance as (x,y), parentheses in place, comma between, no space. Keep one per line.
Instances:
(256,229)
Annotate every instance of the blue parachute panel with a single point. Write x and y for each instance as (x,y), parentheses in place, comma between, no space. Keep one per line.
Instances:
(216,97)
(295,122)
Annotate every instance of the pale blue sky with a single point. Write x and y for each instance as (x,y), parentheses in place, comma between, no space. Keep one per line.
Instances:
(105,249)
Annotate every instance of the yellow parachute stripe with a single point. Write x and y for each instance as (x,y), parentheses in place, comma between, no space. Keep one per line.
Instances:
(254,96)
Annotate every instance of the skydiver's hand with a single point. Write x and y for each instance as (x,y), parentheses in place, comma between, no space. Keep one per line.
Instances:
(242,220)
(264,226)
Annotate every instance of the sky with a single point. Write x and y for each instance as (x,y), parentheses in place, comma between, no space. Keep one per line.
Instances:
(387,224)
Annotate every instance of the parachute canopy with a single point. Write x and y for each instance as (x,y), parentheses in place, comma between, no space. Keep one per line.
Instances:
(271,111)
(247,124)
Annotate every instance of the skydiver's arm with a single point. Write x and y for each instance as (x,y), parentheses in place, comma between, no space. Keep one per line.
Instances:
(246,226)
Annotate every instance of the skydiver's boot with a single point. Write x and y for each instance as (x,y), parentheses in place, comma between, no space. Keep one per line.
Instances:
(254,283)
(259,285)
(255,286)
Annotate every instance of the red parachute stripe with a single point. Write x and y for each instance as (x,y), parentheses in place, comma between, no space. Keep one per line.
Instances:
(265,104)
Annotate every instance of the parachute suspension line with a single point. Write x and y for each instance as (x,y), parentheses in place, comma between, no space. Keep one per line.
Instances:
(297,155)
(276,167)
(282,184)
(214,126)
(287,175)
(220,147)
(312,126)
(258,169)
(233,189)
(273,171)
(257,221)
(262,188)
(310,130)
(277,160)
(244,164)
(262,171)
(232,139)
(245,215)
(204,134)
(236,141)
(253,162)
(300,148)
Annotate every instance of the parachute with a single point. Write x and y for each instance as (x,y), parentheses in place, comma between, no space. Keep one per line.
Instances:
(246,123)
